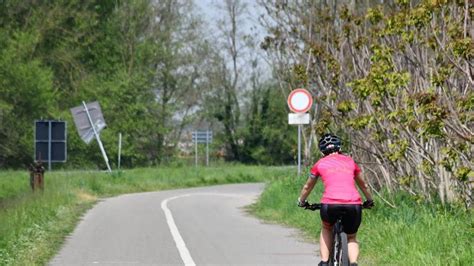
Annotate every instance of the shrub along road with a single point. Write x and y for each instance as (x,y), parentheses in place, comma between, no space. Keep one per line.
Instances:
(200,226)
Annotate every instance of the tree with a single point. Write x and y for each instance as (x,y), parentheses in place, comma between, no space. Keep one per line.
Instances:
(267,137)
(133,57)
(179,68)
(395,78)
(225,77)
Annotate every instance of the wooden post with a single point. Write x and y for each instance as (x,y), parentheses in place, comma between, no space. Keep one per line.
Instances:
(36,176)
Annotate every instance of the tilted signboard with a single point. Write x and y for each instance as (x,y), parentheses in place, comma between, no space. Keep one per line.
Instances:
(89,122)
(84,127)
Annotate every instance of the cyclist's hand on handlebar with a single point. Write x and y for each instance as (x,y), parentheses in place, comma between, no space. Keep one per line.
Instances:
(302,204)
(368,204)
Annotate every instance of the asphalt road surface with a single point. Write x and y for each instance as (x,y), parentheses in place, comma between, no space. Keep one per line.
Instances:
(199,226)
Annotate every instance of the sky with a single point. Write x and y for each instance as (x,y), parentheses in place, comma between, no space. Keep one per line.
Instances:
(212,14)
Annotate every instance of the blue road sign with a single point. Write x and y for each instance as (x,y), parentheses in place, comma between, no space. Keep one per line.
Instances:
(202,136)
(50,141)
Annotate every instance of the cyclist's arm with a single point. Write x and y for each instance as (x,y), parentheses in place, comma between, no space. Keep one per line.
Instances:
(363,186)
(307,188)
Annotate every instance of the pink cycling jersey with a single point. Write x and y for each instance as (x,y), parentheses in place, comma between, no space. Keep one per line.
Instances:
(337,172)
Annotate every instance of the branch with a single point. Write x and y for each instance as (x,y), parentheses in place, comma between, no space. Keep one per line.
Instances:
(380,196)
(443,48)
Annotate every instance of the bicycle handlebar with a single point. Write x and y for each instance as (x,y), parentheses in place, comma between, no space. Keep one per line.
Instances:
(313,207)
(317,206)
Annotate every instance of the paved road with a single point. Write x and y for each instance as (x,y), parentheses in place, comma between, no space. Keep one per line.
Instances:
(199,226)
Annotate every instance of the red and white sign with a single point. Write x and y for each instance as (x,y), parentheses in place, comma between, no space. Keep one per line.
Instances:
(300,101)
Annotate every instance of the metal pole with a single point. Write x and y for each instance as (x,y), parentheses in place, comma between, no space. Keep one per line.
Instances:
(49,145)
(97,137)
(299,150)
(207,148)
(119,150)
(196,149)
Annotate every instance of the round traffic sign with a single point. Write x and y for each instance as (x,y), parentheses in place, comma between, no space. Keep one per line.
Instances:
(300,101)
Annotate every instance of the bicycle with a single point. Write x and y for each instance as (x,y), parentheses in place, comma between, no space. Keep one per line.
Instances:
(339,255)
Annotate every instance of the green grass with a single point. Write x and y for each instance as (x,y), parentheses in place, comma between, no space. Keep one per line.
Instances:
(411,234)
(34,225)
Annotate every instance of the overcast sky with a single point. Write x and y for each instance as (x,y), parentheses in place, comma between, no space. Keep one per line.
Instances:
(212,14)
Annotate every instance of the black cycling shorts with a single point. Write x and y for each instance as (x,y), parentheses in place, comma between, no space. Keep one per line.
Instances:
(351,215)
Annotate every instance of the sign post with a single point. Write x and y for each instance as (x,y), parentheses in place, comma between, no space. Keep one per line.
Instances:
(196,150)
(119,150)
(299,102)
(299,149)
(207,148)
(97,137)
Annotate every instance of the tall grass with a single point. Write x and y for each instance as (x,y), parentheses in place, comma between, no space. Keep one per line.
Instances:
(34,225)
(411,234)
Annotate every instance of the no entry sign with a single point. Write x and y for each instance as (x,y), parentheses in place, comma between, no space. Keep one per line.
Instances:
(300,101)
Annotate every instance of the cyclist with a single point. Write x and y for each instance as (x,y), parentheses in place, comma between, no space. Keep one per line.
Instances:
(339,173)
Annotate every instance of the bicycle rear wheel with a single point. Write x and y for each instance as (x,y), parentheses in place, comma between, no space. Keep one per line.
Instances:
(344,256)
(334,247)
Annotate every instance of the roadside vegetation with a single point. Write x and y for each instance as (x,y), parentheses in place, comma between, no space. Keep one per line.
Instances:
(410,234)
(33,225)
(393,80)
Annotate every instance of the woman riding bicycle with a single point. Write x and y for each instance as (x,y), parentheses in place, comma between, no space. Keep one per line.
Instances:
(339,174)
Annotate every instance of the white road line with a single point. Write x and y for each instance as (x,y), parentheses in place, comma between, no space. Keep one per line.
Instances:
(182,249)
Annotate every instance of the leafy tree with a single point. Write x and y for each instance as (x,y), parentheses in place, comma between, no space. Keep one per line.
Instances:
(267,137)
(395,78)
(26,90)
(132,57)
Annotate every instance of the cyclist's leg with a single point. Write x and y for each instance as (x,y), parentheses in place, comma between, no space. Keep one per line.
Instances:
(325,241)
(327,222)
(353,247)
(351,222)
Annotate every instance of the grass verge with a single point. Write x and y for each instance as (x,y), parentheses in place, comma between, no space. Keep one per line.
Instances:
(411,234)
(34,225)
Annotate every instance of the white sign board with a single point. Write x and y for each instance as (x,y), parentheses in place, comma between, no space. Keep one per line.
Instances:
(83,125)
(299,119)
(202,136)
(300,101)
